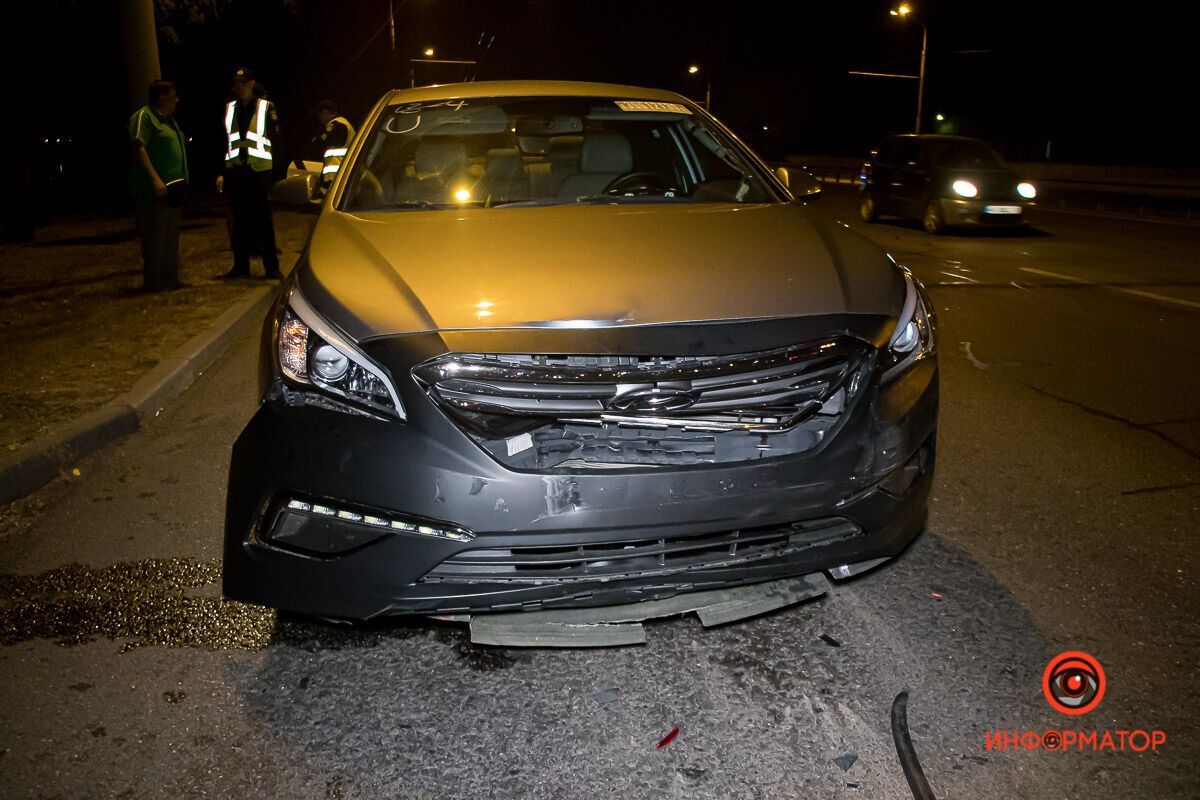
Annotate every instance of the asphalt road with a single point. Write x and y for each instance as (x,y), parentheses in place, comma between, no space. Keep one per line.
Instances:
(1065,517)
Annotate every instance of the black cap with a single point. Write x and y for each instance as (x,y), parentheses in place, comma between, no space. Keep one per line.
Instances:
(243,74)
(325,105)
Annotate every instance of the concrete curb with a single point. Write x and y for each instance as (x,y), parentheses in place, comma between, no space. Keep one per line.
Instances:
(39,462)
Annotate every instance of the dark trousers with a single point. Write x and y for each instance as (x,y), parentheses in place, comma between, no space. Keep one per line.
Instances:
(158,229)
(253,229)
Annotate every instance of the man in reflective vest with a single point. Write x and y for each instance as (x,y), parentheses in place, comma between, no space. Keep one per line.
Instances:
(251,126)
(334,141)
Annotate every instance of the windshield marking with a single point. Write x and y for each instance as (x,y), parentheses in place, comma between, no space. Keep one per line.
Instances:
(416,108)
(415,125)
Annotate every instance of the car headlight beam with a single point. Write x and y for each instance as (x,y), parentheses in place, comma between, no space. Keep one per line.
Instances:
(964,188)
(313,353)
(1027,190)
(914,335)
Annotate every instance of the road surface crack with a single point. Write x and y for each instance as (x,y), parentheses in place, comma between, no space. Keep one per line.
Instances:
(1138,426)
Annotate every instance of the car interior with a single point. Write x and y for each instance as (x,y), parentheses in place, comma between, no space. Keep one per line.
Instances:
(485,155)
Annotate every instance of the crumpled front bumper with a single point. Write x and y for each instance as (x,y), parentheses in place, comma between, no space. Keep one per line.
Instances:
(427,469)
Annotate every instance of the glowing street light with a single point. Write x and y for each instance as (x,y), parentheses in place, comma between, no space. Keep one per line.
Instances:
(902,11)
(429,52)
(694,69)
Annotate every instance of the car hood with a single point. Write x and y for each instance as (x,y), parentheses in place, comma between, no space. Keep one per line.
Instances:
(580,266)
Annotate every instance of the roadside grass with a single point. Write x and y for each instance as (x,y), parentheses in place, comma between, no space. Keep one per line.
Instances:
(77,330)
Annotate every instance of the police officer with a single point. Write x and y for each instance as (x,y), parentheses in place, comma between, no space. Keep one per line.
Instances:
(334,141)
(251,128)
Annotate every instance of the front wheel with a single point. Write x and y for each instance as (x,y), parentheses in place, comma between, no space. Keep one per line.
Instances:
(867,208)
(933,221)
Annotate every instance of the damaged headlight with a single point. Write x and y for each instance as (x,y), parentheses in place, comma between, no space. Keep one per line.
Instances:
(913,338)
(312,354)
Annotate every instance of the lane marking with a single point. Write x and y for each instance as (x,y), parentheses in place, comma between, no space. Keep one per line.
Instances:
(1162,298)
(966,348)
(961,277)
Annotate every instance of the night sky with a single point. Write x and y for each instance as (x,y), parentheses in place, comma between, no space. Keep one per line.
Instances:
(1099,86)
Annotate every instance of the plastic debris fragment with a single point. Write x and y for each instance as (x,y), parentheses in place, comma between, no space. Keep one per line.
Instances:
(666,740)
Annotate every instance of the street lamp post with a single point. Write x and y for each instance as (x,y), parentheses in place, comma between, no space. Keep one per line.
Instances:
(903,11)
(921,79)
(692,70)
(429,52)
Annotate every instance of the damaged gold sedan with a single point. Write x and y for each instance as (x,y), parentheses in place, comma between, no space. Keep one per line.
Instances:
(564,345)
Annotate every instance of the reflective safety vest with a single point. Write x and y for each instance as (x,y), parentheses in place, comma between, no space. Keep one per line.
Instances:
(334,155)
(255,143)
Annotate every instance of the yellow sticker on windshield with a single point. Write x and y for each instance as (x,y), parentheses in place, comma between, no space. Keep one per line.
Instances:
(650,105)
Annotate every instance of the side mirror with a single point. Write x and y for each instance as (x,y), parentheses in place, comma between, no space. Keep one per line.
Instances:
(804,187)
(301,187)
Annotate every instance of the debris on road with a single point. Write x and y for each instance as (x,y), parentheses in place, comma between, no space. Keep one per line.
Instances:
(829,640)
(846,761)
(666,740)
(607,696)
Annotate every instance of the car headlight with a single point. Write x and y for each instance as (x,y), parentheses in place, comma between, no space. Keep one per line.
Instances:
(913,338)
(1027,190)
(964,188)
(314,355)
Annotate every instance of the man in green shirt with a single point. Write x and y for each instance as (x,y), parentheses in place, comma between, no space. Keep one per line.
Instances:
(157,181)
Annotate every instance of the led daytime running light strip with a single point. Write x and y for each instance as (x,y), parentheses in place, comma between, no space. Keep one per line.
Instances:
(454,534)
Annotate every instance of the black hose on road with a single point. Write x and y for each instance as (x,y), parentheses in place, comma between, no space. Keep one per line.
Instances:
(917,782)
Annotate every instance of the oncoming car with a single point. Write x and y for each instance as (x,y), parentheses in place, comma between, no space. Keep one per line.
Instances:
(942,181)
(560,344)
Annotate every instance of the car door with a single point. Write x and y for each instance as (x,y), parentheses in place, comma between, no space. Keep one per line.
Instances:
(910,179)
(882,181)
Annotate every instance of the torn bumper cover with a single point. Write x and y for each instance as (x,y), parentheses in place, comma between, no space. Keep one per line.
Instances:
(351,517)
(615,626)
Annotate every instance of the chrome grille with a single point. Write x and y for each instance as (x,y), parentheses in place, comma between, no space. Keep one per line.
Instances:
(769,389)
(539,411)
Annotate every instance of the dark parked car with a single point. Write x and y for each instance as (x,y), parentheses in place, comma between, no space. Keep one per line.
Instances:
(942,181)
(562,344)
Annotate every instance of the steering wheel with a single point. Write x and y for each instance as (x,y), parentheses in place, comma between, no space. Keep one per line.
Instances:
(640,184)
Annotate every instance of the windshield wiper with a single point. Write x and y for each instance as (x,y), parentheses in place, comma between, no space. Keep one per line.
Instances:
(411,204)
(594,199)
(634,198)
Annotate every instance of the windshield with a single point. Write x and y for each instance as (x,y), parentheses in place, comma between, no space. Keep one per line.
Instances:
(537,151)
(956,154)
